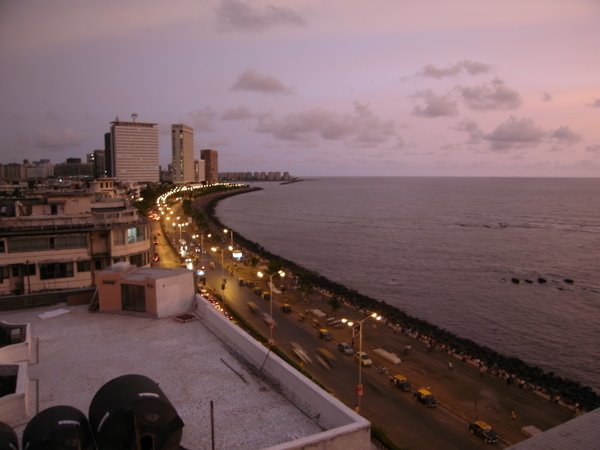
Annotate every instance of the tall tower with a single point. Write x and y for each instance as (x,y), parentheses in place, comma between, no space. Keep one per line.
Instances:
(211,161)
(182,140)
(134,148)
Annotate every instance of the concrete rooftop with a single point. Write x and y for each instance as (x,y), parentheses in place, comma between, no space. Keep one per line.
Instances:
(79,352)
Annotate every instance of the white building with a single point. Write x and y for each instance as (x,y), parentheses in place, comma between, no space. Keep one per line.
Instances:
(134,147)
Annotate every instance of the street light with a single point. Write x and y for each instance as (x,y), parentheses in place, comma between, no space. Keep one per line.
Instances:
(260,274)
(225,231)
(359,386)
(214,249)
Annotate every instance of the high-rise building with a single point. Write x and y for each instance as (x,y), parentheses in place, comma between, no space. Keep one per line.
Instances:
(134,148)
(199,171)
(211,161)
(99,164)
(108,156)
(182,140)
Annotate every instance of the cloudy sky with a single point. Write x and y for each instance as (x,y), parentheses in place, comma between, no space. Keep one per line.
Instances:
(336,87)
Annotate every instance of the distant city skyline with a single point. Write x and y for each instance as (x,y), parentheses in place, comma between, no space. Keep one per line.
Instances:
(434,88)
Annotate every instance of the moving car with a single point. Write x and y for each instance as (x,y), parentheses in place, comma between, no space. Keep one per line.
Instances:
(401,382)
(299,352)
(345,348)
(268,320)
(252,306)
(286,308)
(424,396)
(363,359)
(484,431)
(324,334)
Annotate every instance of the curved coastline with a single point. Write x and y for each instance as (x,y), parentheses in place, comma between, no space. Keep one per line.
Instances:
(513,370)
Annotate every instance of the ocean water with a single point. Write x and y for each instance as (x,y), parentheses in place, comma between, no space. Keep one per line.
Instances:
(446,249)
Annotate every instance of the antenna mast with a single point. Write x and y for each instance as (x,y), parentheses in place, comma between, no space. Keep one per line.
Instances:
(134,116)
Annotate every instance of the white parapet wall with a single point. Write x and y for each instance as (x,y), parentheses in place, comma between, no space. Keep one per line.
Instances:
(19,351)
(344,429)
(14,407)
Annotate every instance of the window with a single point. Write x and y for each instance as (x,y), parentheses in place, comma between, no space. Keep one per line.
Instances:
(30,244)
(119,237)
(133,298)
(84,266)
(20,270)
(70,241)
(36,244)
(138,260)
(4,273)
(136,234)
(2,246)
(52,271)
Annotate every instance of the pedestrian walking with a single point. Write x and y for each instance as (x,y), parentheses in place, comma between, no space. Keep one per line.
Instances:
(450,366)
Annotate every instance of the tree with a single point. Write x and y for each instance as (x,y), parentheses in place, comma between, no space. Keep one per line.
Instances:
(334,303)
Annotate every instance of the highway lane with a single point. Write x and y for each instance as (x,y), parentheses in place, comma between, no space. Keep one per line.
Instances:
(406,421)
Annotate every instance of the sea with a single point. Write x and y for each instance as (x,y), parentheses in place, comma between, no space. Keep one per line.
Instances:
(450,251)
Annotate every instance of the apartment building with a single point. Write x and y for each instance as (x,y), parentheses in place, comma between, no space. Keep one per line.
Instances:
(59,239)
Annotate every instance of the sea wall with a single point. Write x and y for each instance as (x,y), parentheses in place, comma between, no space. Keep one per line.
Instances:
(514,370)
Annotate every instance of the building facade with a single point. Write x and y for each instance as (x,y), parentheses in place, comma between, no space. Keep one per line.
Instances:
(99,164)
(211,161)
(182,143)
(199,171)
(134,151)
(58,240)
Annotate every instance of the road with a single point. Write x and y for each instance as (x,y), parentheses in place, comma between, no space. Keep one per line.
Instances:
(463,395)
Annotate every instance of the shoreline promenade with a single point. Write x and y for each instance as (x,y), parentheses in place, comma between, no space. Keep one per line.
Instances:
(467,392)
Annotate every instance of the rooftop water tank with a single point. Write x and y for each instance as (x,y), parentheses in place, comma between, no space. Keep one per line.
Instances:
(132,413)
(62,427)
(8,438)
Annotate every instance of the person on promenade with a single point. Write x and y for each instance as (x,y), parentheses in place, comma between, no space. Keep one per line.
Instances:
(450,365)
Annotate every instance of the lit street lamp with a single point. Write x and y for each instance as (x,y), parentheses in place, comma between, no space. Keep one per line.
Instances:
(214,249)
(359,386)
(225,231)
(281,273)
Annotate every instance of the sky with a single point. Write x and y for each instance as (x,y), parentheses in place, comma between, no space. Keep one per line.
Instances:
(313,87)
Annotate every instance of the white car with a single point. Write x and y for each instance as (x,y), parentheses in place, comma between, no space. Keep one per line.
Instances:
(268,320)
(363,359)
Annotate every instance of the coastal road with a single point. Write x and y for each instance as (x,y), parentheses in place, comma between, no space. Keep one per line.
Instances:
(463,394)
(404,419)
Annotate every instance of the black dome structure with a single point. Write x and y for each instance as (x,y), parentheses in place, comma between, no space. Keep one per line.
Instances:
(61,427)
(8,438)
(131,412)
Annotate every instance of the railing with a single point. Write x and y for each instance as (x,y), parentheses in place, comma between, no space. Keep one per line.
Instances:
(88,220)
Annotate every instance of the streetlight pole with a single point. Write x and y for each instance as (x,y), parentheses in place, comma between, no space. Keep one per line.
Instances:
(225,230)
(359,386)
(281,273)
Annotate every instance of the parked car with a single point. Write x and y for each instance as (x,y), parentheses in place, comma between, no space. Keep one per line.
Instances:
(426,397)
(363,358)
(401,382)
(252,306)
(484,431)
(345,348)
